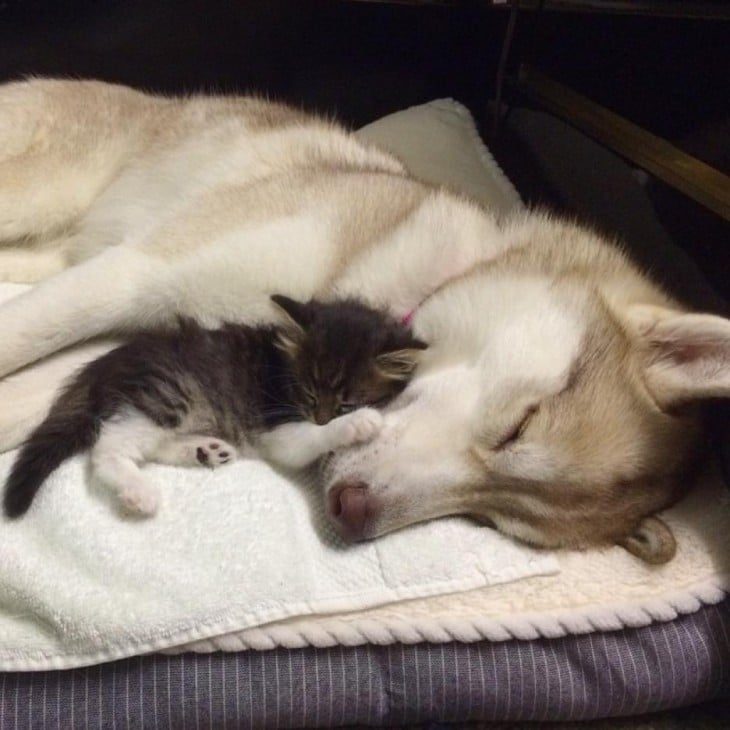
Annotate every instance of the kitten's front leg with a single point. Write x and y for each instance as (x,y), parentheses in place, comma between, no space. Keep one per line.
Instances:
(296,445)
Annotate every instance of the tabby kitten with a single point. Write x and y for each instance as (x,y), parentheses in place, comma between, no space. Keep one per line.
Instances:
(195,396)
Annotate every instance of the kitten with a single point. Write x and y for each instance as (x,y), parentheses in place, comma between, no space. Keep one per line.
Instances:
(199,396)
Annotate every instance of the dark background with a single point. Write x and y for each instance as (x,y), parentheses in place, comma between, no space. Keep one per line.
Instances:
(359,60)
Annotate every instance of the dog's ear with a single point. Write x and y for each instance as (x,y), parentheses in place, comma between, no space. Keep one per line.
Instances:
(652,541)
(398,364)
(686,357)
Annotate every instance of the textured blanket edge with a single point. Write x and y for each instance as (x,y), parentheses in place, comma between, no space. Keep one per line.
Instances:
(526,626)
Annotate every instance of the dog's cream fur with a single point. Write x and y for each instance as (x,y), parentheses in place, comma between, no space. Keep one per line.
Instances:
(557,398)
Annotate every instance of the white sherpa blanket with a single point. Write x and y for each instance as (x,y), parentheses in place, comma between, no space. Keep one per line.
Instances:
(595,590)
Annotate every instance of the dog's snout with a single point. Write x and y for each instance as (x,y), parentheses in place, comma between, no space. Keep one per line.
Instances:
(349,509)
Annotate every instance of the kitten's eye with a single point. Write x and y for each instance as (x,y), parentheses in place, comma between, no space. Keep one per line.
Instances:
(309,398)
(346,407)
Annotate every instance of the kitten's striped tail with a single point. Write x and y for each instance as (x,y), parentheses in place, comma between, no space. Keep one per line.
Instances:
(70,427)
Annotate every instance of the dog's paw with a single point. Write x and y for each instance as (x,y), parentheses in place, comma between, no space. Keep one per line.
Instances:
(140,499)
(214,452)
(358,426)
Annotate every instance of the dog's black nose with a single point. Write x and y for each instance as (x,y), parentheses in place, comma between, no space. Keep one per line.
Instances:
(349,508)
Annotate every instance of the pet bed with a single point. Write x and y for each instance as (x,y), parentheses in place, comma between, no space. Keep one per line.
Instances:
(485,636)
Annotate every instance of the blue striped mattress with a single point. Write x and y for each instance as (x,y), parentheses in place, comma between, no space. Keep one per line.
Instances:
(632,671)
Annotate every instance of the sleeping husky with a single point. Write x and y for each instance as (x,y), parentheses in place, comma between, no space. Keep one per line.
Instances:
(560,397)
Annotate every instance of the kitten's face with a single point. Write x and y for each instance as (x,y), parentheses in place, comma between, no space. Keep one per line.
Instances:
(345,355)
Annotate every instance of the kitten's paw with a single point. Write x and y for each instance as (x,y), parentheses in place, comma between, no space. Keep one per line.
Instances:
(358,426)
(214,452)
(140,499)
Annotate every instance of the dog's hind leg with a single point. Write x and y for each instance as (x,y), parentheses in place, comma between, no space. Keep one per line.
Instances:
(61,142)
(38,199)
(119,290)
(30,265)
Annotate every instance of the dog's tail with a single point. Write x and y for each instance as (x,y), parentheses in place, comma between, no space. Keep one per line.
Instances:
(69,428)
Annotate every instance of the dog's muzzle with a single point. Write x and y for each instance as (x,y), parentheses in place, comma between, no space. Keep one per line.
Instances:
(350,509)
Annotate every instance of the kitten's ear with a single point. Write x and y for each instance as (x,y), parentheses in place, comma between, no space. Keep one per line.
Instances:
(288,340)
(289,336)
(398,364)
(299,314)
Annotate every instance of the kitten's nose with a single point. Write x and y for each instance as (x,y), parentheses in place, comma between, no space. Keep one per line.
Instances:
(323,413)
(349,509)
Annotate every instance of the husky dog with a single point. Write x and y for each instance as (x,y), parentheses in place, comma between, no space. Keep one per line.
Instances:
(560,398)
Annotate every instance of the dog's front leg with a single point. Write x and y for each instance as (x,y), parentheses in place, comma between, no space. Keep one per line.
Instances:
(119,290)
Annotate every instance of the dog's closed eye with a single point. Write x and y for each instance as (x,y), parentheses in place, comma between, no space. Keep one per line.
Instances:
(514,433)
